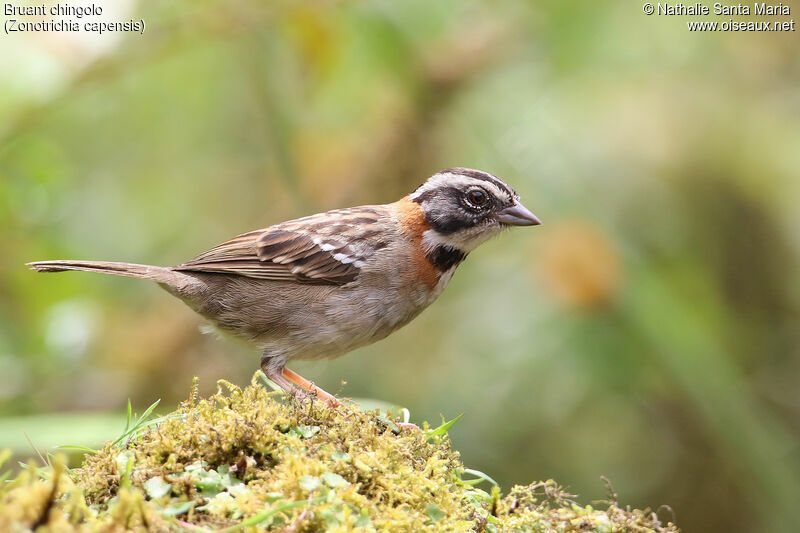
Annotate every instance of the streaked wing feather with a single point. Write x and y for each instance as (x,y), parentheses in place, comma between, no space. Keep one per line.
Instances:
(308,250)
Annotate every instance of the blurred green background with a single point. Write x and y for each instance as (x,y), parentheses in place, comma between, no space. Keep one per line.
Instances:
(648,331)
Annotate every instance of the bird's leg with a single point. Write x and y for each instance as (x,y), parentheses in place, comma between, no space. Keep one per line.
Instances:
(291,381)
(301,382)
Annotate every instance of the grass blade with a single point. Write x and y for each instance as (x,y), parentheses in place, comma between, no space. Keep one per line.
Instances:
(480,477)
(257,519)
(76,447)
(129,417)
(140,423)
(443,429)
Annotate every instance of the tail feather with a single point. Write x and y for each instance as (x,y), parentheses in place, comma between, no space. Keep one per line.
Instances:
(132,270)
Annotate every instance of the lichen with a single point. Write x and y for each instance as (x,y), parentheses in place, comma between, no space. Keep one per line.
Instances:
(246,459)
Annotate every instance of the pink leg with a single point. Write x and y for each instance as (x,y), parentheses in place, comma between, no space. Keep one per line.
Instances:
(288,380)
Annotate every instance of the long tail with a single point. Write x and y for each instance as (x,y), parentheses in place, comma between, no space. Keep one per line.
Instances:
(155,273)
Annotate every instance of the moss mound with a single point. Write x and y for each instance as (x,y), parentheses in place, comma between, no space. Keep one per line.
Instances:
(243,460)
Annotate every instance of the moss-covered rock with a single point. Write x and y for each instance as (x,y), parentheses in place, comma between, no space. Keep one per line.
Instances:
(244,460)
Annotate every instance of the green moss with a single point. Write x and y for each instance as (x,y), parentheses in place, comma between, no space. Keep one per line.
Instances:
(243,460)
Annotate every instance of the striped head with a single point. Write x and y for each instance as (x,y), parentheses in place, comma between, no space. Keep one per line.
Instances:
(466,207)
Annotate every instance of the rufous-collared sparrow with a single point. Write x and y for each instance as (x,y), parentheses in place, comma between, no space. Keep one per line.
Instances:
(325,284)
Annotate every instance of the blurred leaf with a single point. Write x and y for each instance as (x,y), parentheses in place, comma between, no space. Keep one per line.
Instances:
(177,509)
(388,423)
(156,487)
(305,432)
(340,456)
(51,430)
(310,483)
(334,480)
(433,512)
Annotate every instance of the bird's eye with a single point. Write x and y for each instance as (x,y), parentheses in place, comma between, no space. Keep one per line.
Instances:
(477,197)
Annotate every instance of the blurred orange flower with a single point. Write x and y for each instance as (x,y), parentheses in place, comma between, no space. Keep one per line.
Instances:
(580,264)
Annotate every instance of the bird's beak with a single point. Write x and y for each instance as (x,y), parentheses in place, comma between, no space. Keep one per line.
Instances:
(517,215)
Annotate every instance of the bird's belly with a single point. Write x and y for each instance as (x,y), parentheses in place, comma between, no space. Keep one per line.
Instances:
(305,321)
(357,318)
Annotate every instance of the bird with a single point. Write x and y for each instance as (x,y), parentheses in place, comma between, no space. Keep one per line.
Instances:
(325,284)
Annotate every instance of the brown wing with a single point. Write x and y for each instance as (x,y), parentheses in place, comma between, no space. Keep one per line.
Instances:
(329,248)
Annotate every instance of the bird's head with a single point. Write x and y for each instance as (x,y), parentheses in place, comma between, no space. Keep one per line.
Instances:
(465,207)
